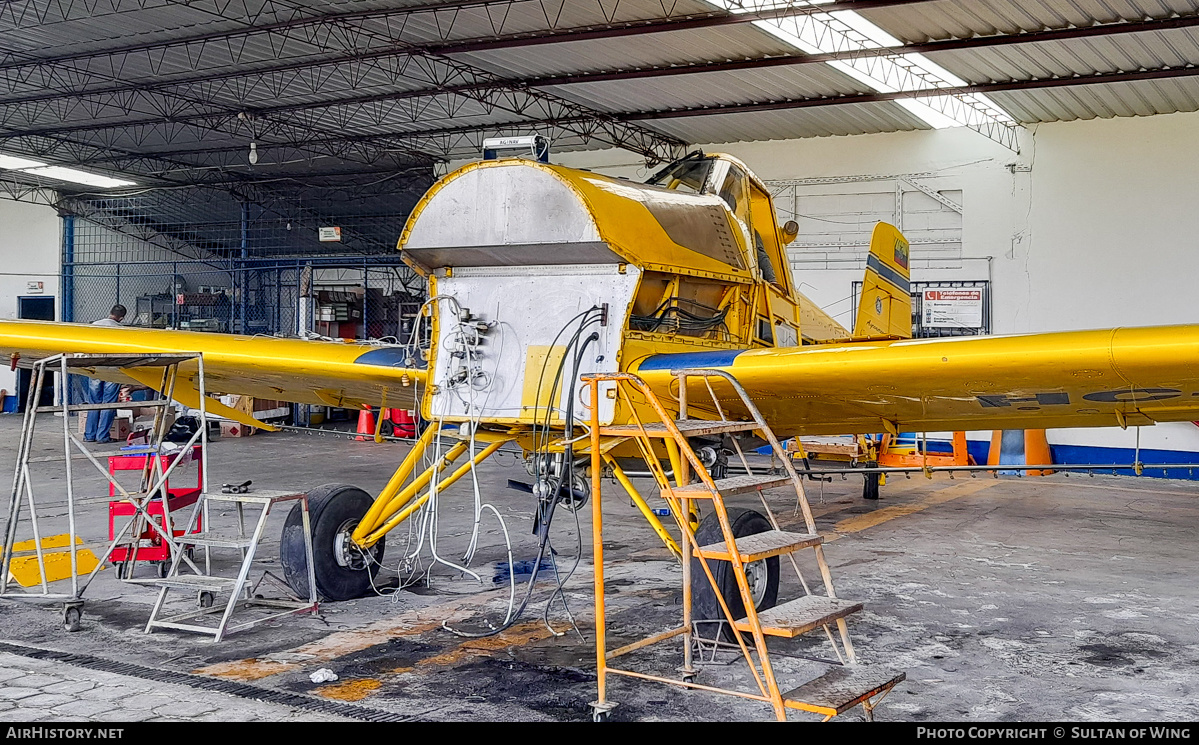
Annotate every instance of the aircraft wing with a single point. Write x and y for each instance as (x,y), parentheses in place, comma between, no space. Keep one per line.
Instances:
(312,372)
(1115,377)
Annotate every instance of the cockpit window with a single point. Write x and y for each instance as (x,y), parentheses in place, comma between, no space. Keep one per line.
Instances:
(689,175)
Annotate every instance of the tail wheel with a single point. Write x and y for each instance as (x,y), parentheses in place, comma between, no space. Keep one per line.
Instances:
(762,576)
(870,487)
(342,570)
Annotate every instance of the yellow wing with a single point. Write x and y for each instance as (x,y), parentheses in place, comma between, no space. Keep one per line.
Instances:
(311,372)
(1114,377)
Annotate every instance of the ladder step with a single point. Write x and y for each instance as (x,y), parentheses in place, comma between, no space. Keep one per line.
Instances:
(842,688)
(692,427)
(801,615)
(258,496)
(730,486)
(197,582)
(761,545)
(217,539)
(211,631)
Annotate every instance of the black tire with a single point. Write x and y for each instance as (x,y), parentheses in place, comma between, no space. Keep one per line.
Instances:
(330,507)
(870,487)
(704,605)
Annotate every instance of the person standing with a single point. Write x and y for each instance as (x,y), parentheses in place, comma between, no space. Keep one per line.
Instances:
(99,423)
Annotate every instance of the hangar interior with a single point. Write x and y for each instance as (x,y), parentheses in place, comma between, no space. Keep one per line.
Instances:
(189,161)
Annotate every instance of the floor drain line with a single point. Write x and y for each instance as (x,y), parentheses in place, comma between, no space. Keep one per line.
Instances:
(241,690)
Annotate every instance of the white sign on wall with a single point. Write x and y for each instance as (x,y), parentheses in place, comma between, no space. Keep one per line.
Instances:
(35,288)
(329,235)
(953,308)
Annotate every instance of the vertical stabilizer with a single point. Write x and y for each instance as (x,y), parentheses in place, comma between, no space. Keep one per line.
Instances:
(885,310)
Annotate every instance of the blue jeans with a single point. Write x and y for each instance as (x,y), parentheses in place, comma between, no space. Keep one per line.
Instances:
(100,422)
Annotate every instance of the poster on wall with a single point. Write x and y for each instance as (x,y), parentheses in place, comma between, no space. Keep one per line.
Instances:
(953,308)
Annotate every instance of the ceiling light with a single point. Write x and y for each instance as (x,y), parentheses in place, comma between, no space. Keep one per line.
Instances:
(12,162)
(847,31)
(74,176)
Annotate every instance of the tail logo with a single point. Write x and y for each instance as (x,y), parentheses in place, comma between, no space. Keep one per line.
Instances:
(901,253)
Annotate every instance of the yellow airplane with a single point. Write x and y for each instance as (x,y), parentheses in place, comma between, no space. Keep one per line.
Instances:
(540,274)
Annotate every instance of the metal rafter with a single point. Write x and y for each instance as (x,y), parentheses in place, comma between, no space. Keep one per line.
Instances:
(208,107)
(360,108)
(302,22)
(470,135)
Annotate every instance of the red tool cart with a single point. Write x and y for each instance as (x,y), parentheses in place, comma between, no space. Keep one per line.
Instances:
(180,500)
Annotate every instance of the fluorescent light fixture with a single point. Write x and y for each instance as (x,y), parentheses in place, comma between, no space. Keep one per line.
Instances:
(77,177)
(13,163)
(847,31)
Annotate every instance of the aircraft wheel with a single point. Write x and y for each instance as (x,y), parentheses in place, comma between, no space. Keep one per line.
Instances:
(763,575)
(870,487)
(342,570)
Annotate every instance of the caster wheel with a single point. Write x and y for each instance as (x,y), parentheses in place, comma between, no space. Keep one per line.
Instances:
(71,617)
(162,569)
(119,570)
(689,678)
(205,599)
(601,716)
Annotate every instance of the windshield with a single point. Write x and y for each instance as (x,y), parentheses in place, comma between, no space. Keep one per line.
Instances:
(690,175)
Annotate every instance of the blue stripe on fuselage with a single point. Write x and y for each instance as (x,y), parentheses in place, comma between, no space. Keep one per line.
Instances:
(722,358)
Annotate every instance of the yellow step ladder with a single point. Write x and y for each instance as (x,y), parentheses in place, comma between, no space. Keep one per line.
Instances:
(843,686)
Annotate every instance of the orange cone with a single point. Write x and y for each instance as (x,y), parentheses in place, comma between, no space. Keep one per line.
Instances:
(1020,447)
(366,425)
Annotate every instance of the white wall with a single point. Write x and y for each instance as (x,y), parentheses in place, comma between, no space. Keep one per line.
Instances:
(30,248)
(1094,224)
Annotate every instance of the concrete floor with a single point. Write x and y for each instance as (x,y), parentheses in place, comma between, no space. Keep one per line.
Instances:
(1004,600)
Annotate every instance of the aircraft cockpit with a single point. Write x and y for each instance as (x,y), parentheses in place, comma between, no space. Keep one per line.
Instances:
(746,198)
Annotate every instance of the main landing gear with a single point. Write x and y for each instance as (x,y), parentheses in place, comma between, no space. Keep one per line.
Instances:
(763,575)
(343,571)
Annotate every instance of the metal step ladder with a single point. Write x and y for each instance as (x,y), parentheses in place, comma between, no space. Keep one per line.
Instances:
(843,686)
(241,593)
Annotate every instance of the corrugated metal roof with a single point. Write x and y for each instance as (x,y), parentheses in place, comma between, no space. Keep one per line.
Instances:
(297,79)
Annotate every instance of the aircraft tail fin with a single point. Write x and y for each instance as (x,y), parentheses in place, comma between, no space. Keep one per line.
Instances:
(885,309)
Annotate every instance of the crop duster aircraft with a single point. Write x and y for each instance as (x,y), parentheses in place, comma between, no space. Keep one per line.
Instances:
(540,274)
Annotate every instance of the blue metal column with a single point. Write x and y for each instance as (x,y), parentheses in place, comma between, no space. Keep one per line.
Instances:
(245,254)
(67,311)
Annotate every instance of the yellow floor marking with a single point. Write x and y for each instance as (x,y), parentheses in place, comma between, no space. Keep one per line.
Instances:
(350,690)
(878,517)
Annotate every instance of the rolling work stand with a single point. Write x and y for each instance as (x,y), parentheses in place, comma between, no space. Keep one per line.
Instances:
(843,686)
(32,562)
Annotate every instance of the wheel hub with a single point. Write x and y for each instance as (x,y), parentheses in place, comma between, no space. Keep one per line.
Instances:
(347,553)
(757,577)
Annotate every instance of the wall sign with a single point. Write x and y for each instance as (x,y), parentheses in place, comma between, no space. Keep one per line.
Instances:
(329,235)
(953,308)
(35,288)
